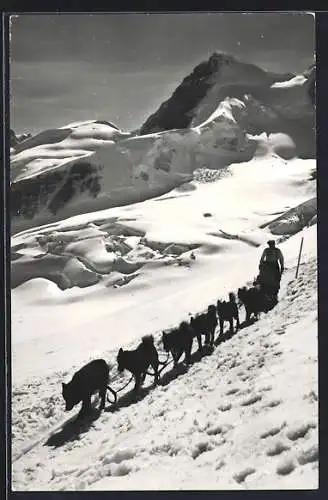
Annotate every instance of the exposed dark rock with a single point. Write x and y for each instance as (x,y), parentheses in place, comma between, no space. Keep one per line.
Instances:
(294,220)
(267,109)
(311,76)
(31,194)
(13,139)
(237,78)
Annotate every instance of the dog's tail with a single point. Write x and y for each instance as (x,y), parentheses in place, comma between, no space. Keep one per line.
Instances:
(147,341)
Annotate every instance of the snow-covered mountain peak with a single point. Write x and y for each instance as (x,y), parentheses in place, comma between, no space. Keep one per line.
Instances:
(208,123)
(273,103)
(211,81)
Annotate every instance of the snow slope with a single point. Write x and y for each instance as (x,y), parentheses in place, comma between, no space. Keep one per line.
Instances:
(115,236)
(298,80)
(83,169)
(135,238)
(244,417)
(127,271)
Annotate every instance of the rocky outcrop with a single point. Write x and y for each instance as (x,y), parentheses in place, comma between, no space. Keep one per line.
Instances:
(220,69)
(295,219)
(16,140)
(272,102)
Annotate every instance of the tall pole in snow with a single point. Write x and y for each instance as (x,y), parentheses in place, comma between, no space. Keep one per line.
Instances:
(299,257)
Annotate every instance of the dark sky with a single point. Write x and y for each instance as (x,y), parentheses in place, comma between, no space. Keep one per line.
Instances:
(120,67)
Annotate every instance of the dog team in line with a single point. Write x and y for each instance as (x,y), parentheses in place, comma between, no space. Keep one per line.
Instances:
(261,297)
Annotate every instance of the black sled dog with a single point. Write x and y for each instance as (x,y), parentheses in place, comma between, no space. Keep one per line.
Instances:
(200,327)
(253,300)
(228,311)
(91,378)
(211,322)
(138,361)
(178,341)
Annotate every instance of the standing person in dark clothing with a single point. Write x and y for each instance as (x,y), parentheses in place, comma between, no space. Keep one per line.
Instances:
(272,260)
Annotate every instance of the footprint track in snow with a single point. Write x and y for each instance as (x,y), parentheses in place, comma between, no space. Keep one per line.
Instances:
(251,400)
(243,474)
(308,455)
(225,406)
(265,388)
(272,431)
(220,465)
(281,330)
(277,448)
(117,457)
(232,391)
(286,466)
(312,396)
(201,448)
(273,403)
(214,431)
(299,431)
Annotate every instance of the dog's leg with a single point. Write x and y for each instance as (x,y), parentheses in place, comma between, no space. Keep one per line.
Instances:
(231,325)
(142,378)
(154,366)
(212,335)
(199,340)
(188,352)
(102,394)
(237,318)
(221,326)
(137,382)
(175,358)
(86,405)
(156,374)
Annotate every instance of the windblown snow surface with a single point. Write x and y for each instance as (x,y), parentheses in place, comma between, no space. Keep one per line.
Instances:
(244,416)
